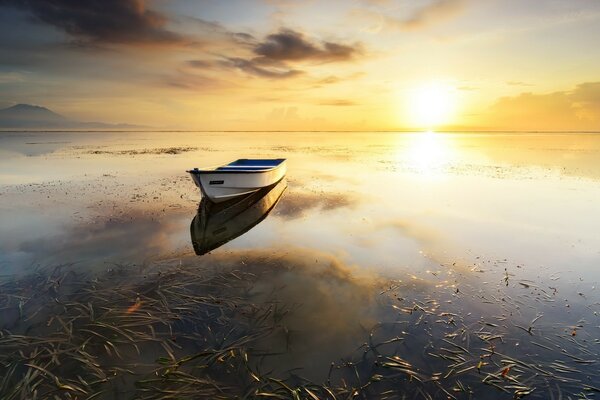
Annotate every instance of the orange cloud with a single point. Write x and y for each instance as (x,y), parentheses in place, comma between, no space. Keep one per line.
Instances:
(424,17)
(437,11)
(578,109)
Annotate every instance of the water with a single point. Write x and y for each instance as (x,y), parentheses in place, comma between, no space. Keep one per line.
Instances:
(413,240)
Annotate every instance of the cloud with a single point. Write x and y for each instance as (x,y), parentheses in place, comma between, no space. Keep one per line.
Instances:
(200,64)
(11,77)
(338,102)
(289,45)
(587,93)
(438,10)
(329,80)
(333,79)
(253,67)
(188,81)
(518,83)
(212,36)
(107,21)
(577,109)
(272,58)
(434,12)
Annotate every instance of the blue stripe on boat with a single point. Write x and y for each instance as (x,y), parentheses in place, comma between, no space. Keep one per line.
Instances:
(244,162)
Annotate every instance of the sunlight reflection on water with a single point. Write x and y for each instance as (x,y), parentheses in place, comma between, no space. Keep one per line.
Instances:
(428,153)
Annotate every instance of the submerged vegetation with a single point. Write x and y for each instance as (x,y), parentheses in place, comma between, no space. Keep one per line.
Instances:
(134,152)
(175,334)
(175,331)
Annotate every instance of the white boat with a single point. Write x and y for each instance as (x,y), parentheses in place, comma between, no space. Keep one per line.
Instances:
(238,178)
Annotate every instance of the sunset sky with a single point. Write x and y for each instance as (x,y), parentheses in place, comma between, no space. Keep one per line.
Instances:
(306,65)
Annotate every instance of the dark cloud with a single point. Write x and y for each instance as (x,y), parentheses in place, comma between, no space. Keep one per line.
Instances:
(200,63)
(288,45)
(278,50)
(105,21)
(212,34)
(244,37)
(184,80)
(254,67)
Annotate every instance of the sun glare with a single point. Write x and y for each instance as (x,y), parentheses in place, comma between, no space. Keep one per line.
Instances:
(432,105)
(427,153)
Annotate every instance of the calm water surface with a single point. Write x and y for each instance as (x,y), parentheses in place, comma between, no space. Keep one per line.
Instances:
(428,244)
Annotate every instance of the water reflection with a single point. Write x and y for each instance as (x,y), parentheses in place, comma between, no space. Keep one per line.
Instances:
(216,224)
(298,203)
(426,153)
(483,278)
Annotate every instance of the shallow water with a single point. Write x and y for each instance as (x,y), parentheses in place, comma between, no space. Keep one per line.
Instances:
(425,237)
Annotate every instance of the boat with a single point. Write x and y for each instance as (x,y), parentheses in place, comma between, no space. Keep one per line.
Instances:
(218,223)
(238,178)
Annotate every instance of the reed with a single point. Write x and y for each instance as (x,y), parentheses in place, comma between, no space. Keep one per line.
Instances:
(185,333)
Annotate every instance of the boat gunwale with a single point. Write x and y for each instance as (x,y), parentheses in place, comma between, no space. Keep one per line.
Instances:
(216,170)
(228,171)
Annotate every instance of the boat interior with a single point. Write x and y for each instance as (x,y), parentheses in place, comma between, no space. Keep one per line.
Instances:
(252,165)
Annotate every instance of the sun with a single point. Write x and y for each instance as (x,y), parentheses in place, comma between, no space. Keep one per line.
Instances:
(432,104)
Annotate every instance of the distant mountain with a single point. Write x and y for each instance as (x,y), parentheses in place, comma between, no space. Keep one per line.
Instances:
(27,116)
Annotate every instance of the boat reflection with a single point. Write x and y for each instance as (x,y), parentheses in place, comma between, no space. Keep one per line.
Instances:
(217,223)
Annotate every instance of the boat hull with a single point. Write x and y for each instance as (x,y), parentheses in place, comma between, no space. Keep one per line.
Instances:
(220,186)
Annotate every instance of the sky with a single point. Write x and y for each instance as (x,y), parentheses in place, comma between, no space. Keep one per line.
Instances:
(307,65)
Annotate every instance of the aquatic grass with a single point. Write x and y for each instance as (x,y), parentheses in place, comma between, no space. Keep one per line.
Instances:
(92,328)
(176,332)
(133,152)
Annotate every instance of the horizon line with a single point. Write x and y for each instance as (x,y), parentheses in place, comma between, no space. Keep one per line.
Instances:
(291,131)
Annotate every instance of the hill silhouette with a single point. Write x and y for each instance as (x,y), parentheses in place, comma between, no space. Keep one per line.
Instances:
(27,116)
